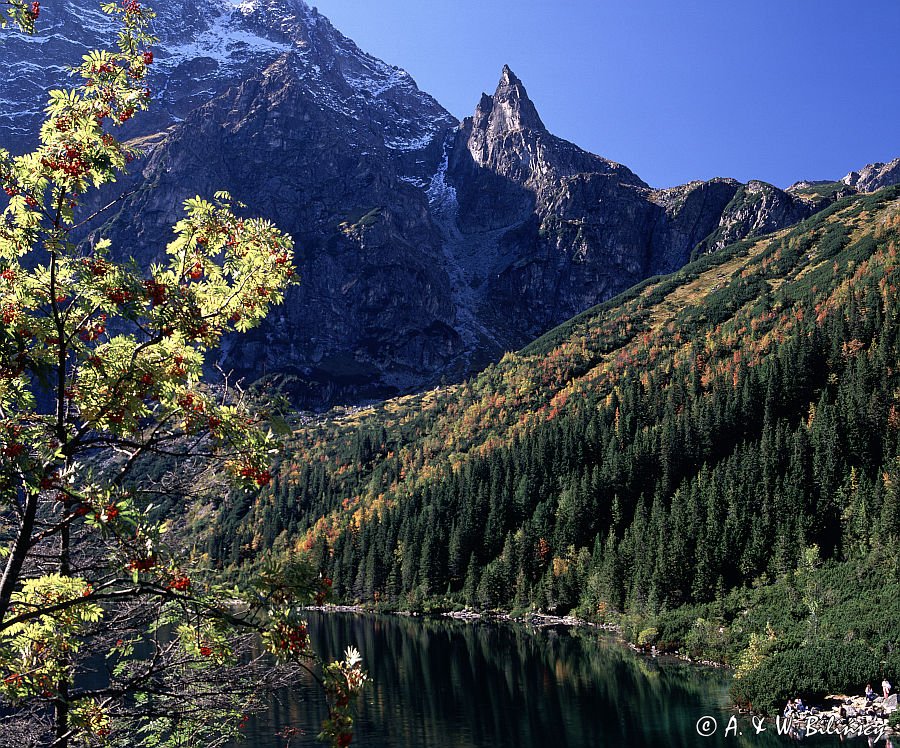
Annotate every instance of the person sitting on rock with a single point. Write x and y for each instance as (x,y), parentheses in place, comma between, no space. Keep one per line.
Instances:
(800,706)
(789,708)
(886,688)
(870,694)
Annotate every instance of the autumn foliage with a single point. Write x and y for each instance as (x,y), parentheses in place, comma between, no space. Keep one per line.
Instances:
(108,424)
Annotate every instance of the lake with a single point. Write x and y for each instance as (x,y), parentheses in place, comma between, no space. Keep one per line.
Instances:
(439,683)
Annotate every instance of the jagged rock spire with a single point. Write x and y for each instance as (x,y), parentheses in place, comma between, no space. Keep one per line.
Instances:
(509,109)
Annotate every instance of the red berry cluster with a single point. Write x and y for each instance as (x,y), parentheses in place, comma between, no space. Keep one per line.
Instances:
(118,295)
(69,160)
(324,589)
(142,564)
(262,477)
(189,402)
(196,271)
(98,268)
(293,639)
(155,292)
(9,313)
(14,448)
(35,10)
(92,332)
(199,331)
(180,583)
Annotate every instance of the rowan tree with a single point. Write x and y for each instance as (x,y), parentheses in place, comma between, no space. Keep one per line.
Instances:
(20,13)
(108,633)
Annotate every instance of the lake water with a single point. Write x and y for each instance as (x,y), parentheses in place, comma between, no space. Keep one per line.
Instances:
(449,684)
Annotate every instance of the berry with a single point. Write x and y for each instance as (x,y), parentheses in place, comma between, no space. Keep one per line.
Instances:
(142,564)
(180,583)
(14,449)
(155,291)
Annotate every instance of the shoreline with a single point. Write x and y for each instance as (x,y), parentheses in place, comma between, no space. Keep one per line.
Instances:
(538,620)
(533,619)
(544,620)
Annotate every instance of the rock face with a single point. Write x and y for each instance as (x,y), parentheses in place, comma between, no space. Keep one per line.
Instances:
(373,313)
(874,176)
(758,208)
(427,247)
(559,229)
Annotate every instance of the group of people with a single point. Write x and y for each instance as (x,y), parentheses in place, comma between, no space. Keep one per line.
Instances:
(796,707)
(885,688)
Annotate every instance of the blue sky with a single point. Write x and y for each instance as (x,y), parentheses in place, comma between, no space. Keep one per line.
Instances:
(778,90)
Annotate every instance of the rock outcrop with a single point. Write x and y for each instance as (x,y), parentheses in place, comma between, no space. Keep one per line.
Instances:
(874,176)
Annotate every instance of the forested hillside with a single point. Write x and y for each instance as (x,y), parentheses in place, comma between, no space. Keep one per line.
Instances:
(725,428)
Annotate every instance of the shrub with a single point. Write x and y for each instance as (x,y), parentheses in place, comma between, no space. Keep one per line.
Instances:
(809,672)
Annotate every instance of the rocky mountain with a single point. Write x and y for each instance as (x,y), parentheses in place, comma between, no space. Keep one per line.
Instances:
(428,246)
(874,176)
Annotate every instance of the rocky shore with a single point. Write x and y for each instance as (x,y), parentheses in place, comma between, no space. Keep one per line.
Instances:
(540,620)
(850,716)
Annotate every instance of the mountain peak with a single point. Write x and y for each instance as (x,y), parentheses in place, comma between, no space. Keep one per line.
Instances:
(510,108)
(508,77)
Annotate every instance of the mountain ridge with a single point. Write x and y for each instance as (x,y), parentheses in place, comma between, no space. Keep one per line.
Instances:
(428,246)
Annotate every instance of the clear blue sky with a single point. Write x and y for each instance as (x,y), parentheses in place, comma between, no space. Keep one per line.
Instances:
(778,90)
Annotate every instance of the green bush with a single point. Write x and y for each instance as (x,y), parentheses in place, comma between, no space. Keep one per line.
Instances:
(809,672)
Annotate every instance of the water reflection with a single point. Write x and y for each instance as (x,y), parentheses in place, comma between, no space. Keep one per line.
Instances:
(447,684)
